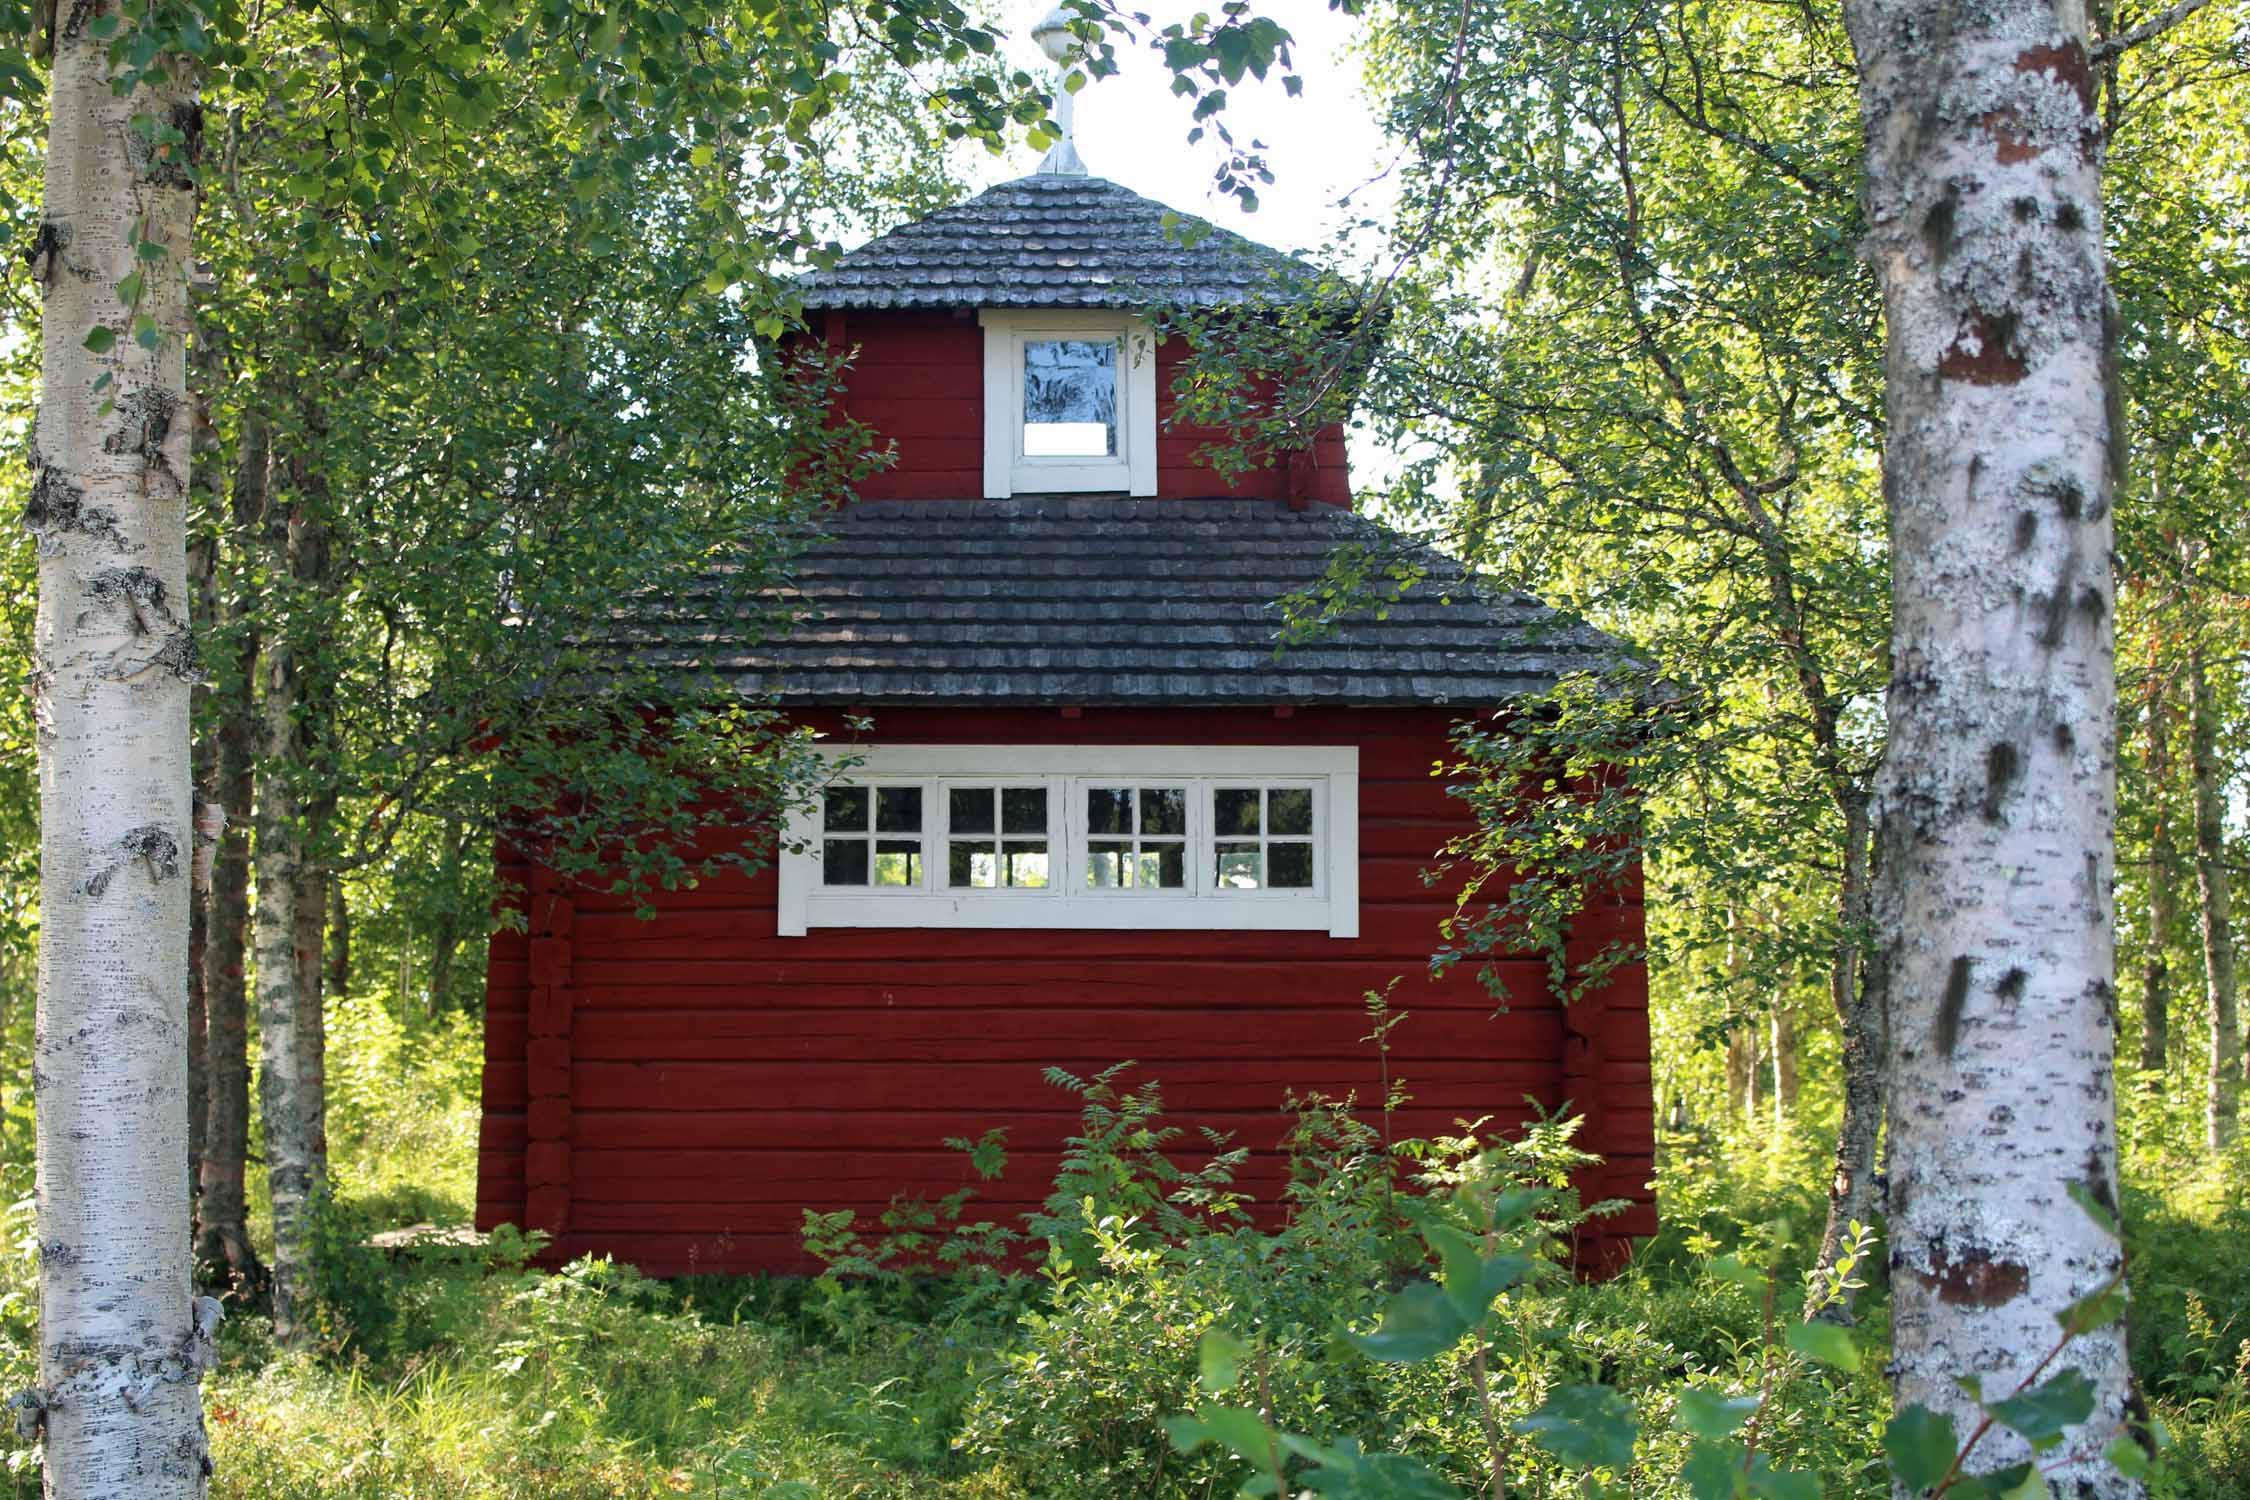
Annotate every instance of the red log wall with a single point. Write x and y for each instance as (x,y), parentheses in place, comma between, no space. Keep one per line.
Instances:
(918,379)
(675,1091)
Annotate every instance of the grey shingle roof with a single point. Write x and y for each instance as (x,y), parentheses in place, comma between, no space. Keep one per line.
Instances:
(1056,600)
(1053,241)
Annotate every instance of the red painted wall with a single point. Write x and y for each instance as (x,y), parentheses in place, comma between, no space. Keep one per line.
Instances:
(918,379)
(675,1091)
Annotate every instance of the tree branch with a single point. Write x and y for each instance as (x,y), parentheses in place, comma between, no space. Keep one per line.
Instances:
(2155,26)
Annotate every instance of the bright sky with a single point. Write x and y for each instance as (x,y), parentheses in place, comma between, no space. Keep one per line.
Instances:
(1133,130)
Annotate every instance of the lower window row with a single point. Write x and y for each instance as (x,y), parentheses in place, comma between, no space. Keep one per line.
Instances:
(1038,835)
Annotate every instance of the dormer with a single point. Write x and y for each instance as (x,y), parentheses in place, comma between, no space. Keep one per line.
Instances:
(1015,345)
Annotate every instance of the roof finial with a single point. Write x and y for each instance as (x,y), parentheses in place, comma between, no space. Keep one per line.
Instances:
(1054,37)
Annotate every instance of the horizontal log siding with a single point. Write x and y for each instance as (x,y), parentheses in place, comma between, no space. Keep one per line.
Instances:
(917,378)
(722,1079)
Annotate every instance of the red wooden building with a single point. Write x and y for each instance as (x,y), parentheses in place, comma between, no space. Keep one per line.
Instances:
(1099,816)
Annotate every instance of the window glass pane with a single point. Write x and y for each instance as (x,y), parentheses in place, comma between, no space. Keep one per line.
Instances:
(1070,398)
(844,862)
(898,809)
(897,863)
(1163,809)
(973,865)
(1239,867)
(1109,809)
(1023,809)
(1108,866)
(969,809)
(1289,866)
(1289,810)
(1163,866)
(1027,865)
(1234,810)
(844,809)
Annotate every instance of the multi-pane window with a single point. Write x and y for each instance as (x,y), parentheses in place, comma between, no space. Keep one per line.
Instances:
(1262,838)
(996,837)
(871,835)
(1063,836)
(1136,838)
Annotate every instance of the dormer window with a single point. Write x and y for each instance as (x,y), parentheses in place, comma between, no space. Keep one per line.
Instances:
(1069,404)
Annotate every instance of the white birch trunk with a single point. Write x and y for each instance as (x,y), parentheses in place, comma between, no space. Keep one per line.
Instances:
(122,1344)
(1998,796)
(2215,906)
(281,1085)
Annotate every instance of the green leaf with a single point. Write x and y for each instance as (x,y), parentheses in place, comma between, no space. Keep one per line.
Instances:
(1770,1483)
(2097,1309)
(1921,1444)
(1586,1426)
(2129,1458)
(1219,1361)
(1711,1414)
(145,332)
(2020,1482)
(1419,1323)
(702,156)
(129,288)
(100,339)
(2098,1211)
(2042,1414)
(1712,1469)
(1238,1429)
(1734,1269)
(150,250)
(1824,1343)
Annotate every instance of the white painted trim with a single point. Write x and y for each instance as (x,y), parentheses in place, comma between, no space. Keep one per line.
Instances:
(1331,905)
(1006,470)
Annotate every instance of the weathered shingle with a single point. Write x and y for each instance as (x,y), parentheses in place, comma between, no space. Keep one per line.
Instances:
(1055,241)
(1056,600)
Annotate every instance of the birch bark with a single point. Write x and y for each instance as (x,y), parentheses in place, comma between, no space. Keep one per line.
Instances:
(1998,792)
(223,1246)
(281,1085)
(2163,861)
(122,1345)
(2215,902)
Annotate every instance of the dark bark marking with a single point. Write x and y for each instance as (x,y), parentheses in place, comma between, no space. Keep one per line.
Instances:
(1975,1280)
(145,422)
(2002,764)
(1937,226)
(136,593)
(2065,62)
(2091,604)
(2027,530)
(2025,209)
(57,507)
(2069,498)
(150,843)
(2010,987)
(1992,362)
(2066,739)
(1949,1010)
(2096,1178)
(44,253)
(2068,216)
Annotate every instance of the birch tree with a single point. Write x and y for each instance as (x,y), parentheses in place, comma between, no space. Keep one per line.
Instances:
(122,1344)
(1983,186)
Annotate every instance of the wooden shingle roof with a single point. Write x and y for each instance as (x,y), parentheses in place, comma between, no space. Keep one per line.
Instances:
(1057,240)
(1104,600)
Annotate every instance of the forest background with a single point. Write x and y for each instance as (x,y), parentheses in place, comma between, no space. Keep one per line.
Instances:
(1632,365)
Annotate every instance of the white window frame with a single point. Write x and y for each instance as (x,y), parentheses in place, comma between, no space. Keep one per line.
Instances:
(1331,905)
(1008,470)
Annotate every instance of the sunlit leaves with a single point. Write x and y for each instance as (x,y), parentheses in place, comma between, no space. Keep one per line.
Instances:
(1585,1426)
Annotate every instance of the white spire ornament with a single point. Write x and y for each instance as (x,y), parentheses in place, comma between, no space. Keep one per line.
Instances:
(1054,37)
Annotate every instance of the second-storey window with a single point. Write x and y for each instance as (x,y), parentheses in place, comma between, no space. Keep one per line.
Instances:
(1069,403)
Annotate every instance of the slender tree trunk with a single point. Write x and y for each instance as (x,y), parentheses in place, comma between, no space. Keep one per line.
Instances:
(1983,189)
(339,939)
(2163,865)
(1855,988)
(312,1018)
(120,1351)
(281,1086)
(223,1248)
(1783,1044)
(2214,900)
(203,558)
